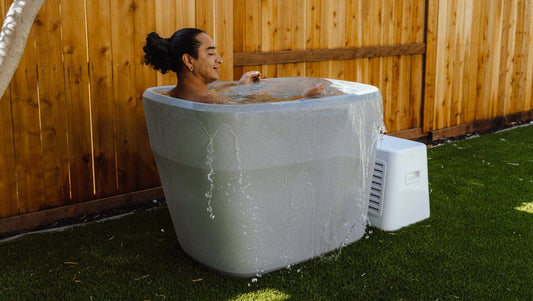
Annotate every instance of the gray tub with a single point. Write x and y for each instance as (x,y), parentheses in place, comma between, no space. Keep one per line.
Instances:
(256,187)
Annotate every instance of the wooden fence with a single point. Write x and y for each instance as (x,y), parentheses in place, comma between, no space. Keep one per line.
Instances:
(72,123)
(479,62)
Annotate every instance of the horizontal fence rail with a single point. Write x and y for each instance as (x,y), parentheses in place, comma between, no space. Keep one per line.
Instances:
(321,55)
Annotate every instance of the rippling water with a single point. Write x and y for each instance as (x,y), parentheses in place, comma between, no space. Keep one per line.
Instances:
(269,90)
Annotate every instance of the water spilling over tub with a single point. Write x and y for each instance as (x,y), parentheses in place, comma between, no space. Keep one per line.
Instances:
(255,187)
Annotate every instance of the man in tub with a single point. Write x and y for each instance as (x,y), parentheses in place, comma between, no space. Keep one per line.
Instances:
(191,53)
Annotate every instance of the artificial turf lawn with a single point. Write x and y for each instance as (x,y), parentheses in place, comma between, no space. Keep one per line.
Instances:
(477,244)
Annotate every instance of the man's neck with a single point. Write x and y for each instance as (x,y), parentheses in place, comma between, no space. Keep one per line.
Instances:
(191,88)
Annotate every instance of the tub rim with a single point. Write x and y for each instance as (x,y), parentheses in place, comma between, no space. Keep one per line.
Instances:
(318,102)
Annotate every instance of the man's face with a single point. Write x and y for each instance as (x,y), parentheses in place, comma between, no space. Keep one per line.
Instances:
(207,66)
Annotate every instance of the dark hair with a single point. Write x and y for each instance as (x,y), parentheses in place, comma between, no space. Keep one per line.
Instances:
(165,54)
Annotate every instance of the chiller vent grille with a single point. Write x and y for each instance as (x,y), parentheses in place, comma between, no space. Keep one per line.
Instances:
(376,191)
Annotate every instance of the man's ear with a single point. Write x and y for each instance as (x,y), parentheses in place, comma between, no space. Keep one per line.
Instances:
(187,60)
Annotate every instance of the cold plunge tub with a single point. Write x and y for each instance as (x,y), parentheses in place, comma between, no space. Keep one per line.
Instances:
(252,188)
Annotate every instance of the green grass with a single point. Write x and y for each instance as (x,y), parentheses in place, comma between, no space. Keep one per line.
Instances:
(476,245)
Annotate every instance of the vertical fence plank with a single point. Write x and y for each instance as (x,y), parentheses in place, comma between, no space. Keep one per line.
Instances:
(494,33)
(466,42)
(484,53)
(312,24)
(27,130)
(8,189)
(291,34)
(166,19)
(239,35)
(456,62)
(528,85)
(508,44)
(456,54)
(184,15)
(169,17)
(401,71)
(363,70)
(378,67)
(206,17)
(482,105)
(406,22)
(8,185)
(299,33)
(504,53)
(519,72)
(284,34)
(165,27)
(101,88)
(389,72)
(4,7)
(73,25)
(223,28)
(269,34)
(416,92)
(144,23)
(126,102)
(376,64)
(252,31)
(351,37)
(417,67)
(445,44)
(326,32)
(246,31)
(338,36)
(53,106)
(432,35)
(474,68)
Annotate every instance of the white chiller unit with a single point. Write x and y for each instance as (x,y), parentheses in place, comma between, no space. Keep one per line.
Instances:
(399,194)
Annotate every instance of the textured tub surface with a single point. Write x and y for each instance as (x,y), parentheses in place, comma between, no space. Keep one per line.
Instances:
(254,188)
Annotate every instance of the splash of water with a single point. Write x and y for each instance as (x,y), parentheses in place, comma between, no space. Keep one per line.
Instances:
(210,159)
(210,176)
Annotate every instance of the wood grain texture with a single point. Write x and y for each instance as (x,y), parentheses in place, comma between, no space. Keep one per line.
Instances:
(321,55)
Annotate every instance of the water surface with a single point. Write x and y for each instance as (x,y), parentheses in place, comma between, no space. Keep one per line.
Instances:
(269,90)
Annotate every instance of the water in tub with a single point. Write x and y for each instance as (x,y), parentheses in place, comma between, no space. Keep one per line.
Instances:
(269,90)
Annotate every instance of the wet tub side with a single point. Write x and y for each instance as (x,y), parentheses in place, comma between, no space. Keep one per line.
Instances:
(253,188)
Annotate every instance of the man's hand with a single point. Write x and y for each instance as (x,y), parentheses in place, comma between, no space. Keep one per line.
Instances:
(250,77)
